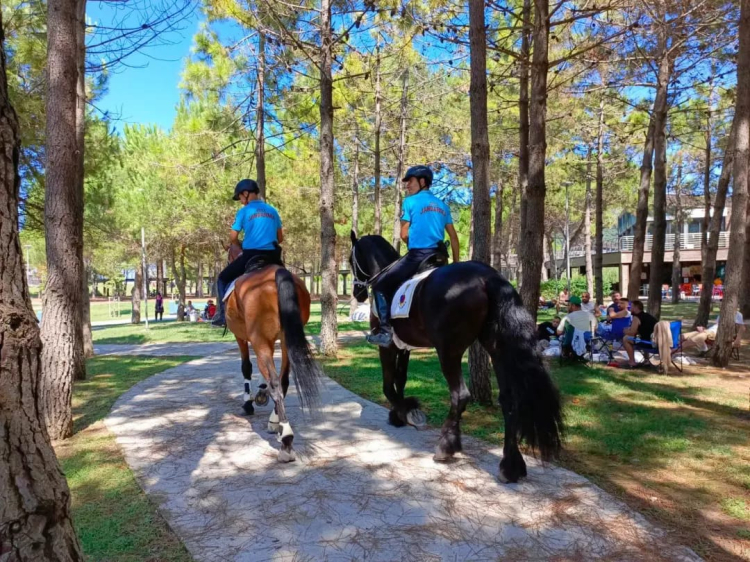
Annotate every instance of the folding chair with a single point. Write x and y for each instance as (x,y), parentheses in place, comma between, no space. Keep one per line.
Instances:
(606,339)
(567,353)
(647,346)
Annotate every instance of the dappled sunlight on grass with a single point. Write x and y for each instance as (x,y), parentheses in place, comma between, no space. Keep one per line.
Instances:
(674,447)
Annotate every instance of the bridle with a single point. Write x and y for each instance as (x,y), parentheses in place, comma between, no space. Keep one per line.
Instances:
(369,280)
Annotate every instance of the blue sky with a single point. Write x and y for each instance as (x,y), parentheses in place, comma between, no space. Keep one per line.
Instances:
(146,91)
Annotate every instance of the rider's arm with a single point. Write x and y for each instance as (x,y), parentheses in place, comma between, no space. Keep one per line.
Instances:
(454,242)
(280,235)
(405,231)
(233,237)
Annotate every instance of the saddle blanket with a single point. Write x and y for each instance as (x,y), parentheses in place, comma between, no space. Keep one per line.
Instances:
(401,304)
(229,290)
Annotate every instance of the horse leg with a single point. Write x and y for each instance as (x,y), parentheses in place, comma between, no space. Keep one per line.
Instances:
(512,467)
(395,364)
(278,422)
(450,437)
(247,373)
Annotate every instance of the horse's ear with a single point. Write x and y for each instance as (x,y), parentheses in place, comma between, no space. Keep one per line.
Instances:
(353,236)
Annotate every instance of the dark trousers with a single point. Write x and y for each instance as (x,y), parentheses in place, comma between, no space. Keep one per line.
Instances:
(237,268)
(405,268)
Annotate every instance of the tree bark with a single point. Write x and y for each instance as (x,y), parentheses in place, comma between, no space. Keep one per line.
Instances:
(355,190)
(735,259)
(679,221)
(745,290)
(376,152)
(401,161)
(479,363)
(706,186)
(159,275)
(531,236)
(35,522)
(61,332)
(179,278)
(497,236)
(660,192)
(328,297)
(587,227)
(523,117)
(88,339)
(708,272)
(260,117)
(641,214)
(135,296)
(199,281)
(599,205)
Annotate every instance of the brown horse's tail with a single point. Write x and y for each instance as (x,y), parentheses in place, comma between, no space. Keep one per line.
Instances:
(306,371)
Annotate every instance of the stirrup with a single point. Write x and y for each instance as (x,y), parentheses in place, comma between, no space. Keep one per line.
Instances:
(219,320)
(381,338)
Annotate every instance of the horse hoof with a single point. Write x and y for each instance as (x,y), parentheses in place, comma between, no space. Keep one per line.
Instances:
(287,456)
(442,456)
(261,397)
(274,427)
(417,419)
(248,408)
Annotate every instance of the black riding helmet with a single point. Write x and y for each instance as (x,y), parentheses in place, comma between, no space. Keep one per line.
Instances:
(418,172)
(245,185)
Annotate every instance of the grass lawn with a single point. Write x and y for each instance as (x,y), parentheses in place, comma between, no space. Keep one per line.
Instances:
(114,519)
(676,448)
(172,331)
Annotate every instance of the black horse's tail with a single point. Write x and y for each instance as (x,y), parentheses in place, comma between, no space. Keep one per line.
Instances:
(306,370)
(517,360)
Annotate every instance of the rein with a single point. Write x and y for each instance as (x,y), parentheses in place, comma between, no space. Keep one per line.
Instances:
(367,283)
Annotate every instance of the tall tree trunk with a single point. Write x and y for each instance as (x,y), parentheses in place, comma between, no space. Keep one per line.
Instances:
(135,296)
(376,154)
(523,118)
(497,236)
(550,241)
(260,117)
(679,221)
(199,286)
(179,278)
(660,193)
(401,161)
(641,214)
(508,243)
(355,189)
(745,290)
(328,297)
(479,363)
(61,333)
(599,205)
(706,183)
(35,522)
(587,227)
(531,237)
(736,254)
(88,340)
(712,246)
(159,275)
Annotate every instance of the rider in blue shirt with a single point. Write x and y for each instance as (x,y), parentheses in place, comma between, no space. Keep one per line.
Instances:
(424,221)
(263,234)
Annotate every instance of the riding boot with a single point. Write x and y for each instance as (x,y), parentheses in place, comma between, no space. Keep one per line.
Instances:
(219,319)
(383,336)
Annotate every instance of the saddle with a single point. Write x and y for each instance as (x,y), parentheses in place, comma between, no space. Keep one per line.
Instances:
(271,257)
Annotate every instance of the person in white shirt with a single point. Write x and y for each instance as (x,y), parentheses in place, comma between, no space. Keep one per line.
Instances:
(587,305)
(702,335)
(579,319)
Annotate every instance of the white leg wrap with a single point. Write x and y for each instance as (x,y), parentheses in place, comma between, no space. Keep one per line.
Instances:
(274,417)
(286,430)
(248,391)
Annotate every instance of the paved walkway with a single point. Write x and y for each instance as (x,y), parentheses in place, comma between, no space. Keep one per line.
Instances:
(360,489)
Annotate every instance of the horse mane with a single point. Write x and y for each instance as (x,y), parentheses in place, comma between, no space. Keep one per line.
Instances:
(379,249)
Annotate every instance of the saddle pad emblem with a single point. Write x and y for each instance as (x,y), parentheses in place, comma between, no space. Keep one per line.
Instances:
(401,304)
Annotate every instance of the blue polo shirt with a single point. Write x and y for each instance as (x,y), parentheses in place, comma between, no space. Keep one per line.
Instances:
(260,222)
(427,217)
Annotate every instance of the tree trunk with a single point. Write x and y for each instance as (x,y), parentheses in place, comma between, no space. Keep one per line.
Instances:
(328,297)
(260,117)
(508,243)
(159,275)
(401,161)
(660,193)
(531,236)
(587,227)
(355,190)
(545,258)
(599,204)
(61,332)
(179,278)
(706,186)
(497,236)
(679,221)
(550,241)
(88,339)
(199,280)
(745,290)
(641,214)
(376,153)
(736,254)
(135,296)
(479,362)
(523,118)
(708,272)
(35,521)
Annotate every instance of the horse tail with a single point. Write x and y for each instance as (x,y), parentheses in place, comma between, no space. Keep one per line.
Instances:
(306,371)
(517,361)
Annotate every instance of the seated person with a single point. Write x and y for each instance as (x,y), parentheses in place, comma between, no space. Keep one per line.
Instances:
(702,335)
(577,319)
(544,303)
(618,310)
(189,308)
(546,330)
(642,326)
(210,310)
(616,297)
(562,299)
(587,305)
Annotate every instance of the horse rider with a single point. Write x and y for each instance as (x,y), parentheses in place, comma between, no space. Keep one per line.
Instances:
(263,234)
(424,221)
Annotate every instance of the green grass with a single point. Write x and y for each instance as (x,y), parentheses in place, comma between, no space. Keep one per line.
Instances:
(637,434)
(175,332)
(114,519)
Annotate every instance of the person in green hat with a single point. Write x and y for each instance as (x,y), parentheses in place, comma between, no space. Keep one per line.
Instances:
(577,318)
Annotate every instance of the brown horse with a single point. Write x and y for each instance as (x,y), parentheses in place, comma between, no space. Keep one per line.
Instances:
(267,305)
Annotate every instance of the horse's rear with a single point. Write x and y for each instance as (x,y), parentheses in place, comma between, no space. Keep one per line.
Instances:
(266,306)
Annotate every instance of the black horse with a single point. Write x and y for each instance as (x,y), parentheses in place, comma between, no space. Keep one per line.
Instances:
(455,306)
